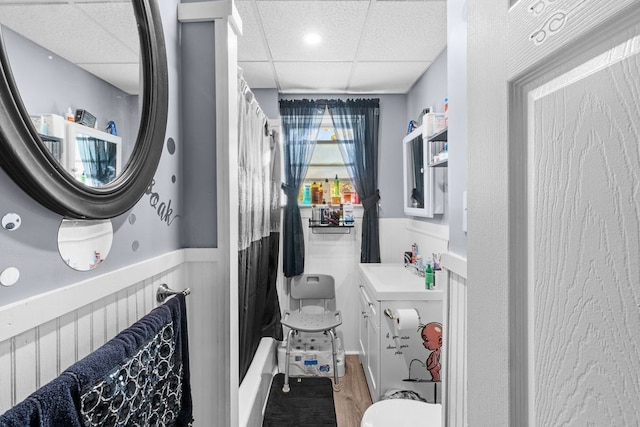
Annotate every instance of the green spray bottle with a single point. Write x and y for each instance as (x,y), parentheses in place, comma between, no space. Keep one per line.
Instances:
(428,277)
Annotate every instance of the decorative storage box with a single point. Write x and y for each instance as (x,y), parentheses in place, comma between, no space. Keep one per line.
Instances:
(311,355)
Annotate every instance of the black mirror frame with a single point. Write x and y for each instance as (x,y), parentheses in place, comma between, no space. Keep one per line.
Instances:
(25,159)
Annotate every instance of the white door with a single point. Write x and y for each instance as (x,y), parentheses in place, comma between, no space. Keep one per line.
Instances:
(554,213)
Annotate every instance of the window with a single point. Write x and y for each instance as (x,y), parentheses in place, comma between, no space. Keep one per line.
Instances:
(327,163)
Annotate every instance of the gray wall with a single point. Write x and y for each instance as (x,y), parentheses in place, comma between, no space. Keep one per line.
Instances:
(199,134)
(430,90)
(268,100)
(33,247)
(392,130)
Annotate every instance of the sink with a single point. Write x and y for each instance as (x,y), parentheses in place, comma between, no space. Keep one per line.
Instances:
(391,281)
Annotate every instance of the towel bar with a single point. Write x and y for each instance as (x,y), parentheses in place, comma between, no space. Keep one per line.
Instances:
(164,292)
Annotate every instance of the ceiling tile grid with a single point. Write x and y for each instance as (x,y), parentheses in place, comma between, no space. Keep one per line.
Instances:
(251,44)
(117,19)
(404,31)
(339,23)
(65,27)
(368,46)
(374,46)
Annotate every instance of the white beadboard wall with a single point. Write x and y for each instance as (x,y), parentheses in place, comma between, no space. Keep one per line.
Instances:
(455,268)
(339,255)
(41,336)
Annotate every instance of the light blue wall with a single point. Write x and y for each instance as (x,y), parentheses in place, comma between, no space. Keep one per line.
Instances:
(33,247)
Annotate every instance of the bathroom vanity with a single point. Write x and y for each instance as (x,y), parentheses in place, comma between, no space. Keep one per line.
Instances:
(400,331)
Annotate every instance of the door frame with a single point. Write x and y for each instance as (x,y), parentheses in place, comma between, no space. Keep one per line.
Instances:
(503,66)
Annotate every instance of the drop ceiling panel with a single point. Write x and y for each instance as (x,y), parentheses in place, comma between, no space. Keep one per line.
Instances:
(83,42)
(251,45)
(117,19)
(364,41)
(386,77)
(404,31)
(305,77)
(339,23)
(259,75)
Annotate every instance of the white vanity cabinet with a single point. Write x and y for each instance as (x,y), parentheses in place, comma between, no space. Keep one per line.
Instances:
(369,337)
(394,354)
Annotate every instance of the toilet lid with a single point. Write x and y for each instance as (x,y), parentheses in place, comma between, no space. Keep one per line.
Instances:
(402,413)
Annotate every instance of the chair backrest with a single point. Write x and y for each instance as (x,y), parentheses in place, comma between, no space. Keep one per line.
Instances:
(313,290)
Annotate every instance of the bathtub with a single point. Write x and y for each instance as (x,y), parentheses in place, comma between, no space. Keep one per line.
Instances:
(254,389)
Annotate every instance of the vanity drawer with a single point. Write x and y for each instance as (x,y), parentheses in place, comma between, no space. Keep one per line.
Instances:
(371,305)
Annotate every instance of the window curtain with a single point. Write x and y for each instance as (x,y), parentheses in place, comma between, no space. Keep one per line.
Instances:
(259,179)
(99,160)
(300,125)
(356,123)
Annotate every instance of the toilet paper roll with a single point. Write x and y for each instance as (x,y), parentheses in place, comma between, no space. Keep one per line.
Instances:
(406,319)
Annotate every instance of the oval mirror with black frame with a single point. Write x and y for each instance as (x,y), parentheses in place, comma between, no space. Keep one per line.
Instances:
(25,158)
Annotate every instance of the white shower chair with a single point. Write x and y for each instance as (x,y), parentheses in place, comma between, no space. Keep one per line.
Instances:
(312,293)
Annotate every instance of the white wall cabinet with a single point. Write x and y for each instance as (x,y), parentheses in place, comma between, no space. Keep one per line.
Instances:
(423,184)
(394,356)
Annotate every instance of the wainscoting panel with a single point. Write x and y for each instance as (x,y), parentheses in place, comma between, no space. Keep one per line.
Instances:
(207,316)
(456,376)
(33,356)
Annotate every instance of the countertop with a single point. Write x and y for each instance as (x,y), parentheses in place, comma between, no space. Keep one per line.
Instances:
(394,282)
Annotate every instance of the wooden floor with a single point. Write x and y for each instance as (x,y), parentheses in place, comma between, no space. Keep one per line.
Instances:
(352,397)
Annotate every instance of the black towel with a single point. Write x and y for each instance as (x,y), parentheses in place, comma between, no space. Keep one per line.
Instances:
(53,405)
(140,377)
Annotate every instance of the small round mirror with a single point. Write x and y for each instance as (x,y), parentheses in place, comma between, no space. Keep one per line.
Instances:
(9,276)
(84,244)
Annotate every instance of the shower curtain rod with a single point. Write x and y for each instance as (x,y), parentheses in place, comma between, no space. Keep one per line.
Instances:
(165,292)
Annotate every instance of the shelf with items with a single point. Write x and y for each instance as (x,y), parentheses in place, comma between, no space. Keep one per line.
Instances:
(439,164)
(438,153)
(439,136)
(342,227)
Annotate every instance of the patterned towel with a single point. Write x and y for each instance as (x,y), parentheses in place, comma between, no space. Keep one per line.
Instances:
(139,378)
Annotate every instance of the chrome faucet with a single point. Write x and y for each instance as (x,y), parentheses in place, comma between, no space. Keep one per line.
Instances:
(419,271)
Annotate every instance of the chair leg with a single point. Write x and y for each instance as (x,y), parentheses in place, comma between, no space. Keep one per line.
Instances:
(335,355)
(285,387)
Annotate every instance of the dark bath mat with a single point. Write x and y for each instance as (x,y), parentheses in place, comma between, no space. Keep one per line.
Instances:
(308,404)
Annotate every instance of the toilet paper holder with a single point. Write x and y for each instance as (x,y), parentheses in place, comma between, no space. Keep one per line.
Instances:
(389,313)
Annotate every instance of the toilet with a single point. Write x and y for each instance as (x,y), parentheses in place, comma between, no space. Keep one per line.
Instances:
(402,413)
